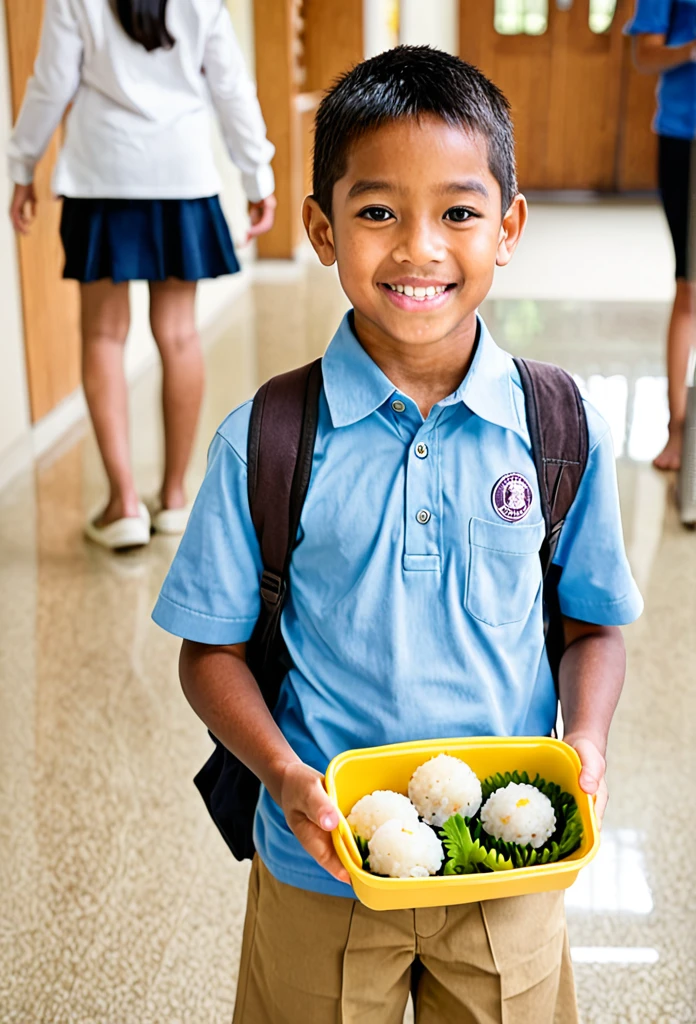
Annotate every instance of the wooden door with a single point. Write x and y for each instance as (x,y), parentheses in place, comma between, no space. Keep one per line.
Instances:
(50,305)
(582,114)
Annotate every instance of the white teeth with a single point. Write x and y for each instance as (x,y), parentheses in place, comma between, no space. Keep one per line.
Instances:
(420,293)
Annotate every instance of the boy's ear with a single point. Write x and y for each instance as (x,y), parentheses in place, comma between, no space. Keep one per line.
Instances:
(319,231)
(511,230)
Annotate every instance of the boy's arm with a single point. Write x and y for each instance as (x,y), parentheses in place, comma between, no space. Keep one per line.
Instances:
(222,691)
(591,678)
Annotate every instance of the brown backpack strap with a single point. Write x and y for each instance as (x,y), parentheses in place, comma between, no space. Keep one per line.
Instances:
(558,434)
(282,432)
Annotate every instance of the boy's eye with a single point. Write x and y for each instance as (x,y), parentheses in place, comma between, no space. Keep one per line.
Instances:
(376,213)
(459,214)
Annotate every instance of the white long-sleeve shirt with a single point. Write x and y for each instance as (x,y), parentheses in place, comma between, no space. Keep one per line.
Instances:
(139,127)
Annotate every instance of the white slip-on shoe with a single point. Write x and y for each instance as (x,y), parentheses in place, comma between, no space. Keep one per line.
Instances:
(171,521)
(129,532)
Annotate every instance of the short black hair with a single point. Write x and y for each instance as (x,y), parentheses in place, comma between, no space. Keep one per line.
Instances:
(410,81)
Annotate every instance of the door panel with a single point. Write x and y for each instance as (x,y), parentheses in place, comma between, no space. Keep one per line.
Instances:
(572,92)
(50,305)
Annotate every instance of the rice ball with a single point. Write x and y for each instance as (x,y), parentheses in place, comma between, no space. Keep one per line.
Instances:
(403,850)
(519,813)
(444,786)
(383,805)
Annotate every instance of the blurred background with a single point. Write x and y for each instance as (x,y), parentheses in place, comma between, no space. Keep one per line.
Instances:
(118,901)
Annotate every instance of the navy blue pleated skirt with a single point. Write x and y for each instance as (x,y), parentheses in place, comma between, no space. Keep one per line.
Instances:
(146,239)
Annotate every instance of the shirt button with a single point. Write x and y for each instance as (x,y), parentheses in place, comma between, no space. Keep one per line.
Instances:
(398,405)
(423,516)
(422,450)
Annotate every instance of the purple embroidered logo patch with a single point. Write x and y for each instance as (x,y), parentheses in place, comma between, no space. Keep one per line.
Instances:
(512,497)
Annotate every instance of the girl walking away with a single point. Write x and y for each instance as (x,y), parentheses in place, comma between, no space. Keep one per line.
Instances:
(141,203)
(665,41)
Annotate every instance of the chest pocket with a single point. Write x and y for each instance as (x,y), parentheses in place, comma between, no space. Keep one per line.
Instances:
(504,574)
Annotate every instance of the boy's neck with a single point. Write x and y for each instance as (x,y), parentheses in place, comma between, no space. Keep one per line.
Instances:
(426,373)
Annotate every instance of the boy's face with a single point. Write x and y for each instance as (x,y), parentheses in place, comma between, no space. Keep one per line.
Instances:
(418,208)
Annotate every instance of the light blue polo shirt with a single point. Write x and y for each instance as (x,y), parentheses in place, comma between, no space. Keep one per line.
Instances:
(415,610)
(676,88)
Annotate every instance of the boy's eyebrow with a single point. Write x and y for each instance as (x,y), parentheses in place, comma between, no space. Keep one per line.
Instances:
(470,185)
(360,187)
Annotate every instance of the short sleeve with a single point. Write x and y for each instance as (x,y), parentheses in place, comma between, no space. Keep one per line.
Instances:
(651,17)
(211,593)
(596,583)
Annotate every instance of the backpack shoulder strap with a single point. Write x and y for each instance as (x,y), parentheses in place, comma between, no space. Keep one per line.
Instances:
(557,427)
(280,448)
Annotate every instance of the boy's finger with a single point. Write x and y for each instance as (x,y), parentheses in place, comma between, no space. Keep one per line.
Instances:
(601,801)
(319,808)
(593,766)
(320,846)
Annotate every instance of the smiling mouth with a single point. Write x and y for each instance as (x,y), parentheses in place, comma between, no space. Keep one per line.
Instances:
(419,293)
(407,295)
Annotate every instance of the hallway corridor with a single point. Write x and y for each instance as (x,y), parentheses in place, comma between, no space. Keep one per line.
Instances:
(119,903)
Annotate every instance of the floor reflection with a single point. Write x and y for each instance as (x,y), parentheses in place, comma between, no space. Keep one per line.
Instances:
(616,880)
(118,902)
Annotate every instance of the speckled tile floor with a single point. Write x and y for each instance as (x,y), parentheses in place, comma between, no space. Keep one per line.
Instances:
(118,901)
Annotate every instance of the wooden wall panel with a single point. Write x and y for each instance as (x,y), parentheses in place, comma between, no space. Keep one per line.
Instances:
(326,41)
(50,305)
(307,103)
(333,40)
(275,32)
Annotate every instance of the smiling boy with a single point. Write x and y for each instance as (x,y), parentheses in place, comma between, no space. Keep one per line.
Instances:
(415,605)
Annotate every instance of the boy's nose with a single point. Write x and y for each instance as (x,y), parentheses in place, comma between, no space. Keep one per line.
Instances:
(419,244)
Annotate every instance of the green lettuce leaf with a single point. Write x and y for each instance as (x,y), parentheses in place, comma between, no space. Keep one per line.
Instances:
(465,855)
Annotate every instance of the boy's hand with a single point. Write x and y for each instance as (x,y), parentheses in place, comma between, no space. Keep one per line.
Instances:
(261,215)
(311,815)
(592,777)
(23,208)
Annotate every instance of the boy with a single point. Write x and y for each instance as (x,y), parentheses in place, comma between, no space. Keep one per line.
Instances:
(415,607)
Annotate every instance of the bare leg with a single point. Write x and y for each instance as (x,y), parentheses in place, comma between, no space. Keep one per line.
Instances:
(680,339)
(172,317)
(105,323)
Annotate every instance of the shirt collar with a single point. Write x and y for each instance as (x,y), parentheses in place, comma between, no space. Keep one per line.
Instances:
(355,386)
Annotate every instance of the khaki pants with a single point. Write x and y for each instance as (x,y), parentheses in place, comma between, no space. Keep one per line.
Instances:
(313,959)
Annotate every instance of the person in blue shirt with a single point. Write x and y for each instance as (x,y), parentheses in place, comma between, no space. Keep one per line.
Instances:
(664,34)
(415,607)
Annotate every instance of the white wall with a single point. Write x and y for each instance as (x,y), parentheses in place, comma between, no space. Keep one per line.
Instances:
(14,406)
(381,25)
(435,22)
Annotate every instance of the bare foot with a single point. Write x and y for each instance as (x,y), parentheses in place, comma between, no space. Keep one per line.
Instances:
(118,508)
(670,456)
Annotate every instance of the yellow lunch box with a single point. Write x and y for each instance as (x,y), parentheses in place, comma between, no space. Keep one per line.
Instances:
(355,773)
